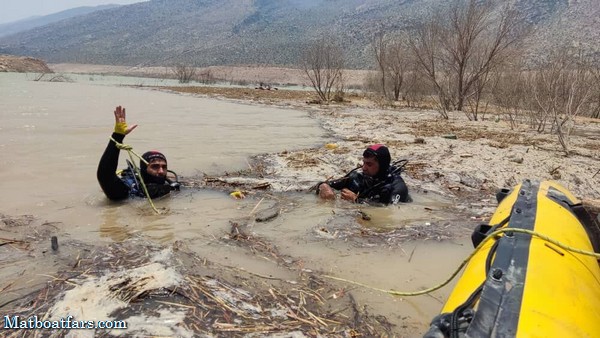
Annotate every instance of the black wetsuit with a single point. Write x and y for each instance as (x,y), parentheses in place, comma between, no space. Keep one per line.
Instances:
(117,187)
(384,189)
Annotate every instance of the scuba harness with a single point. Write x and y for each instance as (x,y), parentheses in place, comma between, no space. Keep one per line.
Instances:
(130,177)
(395,168)
(363,184)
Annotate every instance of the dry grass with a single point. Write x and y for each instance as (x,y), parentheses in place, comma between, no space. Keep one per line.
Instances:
(212,305)
(501,139)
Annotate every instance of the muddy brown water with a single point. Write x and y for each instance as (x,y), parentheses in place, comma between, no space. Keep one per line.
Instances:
(53,134)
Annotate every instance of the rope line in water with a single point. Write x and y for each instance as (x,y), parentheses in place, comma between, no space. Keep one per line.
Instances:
(466,260)
(130,151)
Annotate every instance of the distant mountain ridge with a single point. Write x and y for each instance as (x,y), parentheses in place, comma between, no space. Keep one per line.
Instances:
(38,21)
(271,32)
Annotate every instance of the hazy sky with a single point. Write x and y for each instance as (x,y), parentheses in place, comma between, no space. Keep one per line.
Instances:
(13,10)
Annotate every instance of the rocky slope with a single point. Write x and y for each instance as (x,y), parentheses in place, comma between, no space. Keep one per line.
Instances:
(22,64)
(274,32)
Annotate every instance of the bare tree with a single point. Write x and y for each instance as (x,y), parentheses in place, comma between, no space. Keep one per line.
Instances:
(184,73)
(508,88)
(394,59)
(458,50)
(323,64)
(206,77)
(561,90)
(475,101)
(425,44)
(537,118)
(380,50)
(400,63)
(595,100)
(415,88)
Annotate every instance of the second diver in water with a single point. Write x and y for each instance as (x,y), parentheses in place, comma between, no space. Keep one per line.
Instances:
(379,181)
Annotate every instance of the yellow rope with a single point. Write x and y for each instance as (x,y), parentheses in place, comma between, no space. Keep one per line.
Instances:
(466,260)
(130,151)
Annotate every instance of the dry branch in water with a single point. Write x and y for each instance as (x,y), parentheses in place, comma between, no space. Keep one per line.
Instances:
(210,305)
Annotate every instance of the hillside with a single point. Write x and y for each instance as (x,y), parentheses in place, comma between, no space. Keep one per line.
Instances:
(9,63)
(577,26)
(39,21)
(273,32)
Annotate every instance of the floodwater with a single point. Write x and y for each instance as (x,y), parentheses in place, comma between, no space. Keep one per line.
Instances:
(52,135)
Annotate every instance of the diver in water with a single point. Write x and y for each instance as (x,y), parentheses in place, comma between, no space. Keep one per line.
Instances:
(127,183)
(379,181)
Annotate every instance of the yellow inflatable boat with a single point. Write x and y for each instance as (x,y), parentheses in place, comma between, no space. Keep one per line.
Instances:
(518,285)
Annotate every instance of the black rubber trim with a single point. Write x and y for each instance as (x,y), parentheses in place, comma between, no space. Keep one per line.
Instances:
(499,305)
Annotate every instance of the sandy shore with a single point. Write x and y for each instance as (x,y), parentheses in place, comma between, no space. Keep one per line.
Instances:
(484,157)
(455,157)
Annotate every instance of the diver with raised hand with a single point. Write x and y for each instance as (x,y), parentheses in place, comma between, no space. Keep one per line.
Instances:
(152,172)
(379,182)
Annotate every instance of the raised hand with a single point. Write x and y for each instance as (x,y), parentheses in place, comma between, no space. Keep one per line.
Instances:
(121,122)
